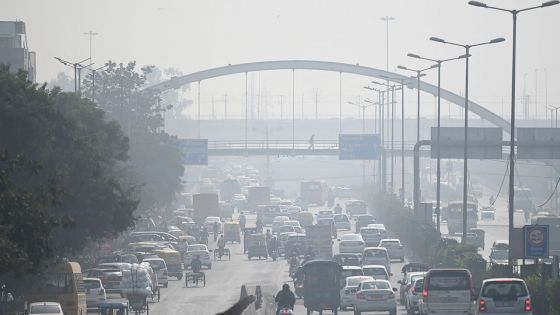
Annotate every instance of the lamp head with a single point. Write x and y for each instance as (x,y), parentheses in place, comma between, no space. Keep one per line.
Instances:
(549,3)
(464,56)
(497,40)
(478,4)
(437,39)
(402,67)
(413,55)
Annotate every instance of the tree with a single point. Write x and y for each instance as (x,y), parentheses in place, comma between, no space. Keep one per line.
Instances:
(81,156)
(155,160)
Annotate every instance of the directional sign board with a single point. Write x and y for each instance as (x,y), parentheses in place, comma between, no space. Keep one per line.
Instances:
(536,241)
(195,151)
(358,147)
(538,143)
(484,143)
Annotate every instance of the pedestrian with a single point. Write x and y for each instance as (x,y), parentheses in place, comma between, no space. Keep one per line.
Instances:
(312,142)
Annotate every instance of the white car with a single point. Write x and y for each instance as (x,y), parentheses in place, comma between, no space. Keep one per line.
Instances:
(294,223)
(351,243)
(348,292)
(341,222)
(45,308)
(278,221)
(199,250)
(375,296)
(413,295)
(376,272)
(95,292)
(407,282)
(325,214)
(209,224)
(160,268)
(394,248)
(376,256)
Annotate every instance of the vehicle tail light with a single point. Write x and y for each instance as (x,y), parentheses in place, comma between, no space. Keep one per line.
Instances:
(300,285)
(482,306)
(361,296)
(528,305)
(425,295)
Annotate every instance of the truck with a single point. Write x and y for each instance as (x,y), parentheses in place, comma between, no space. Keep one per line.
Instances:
(258,195)
(454,214)
(313,192)
(205,205)
(318,237)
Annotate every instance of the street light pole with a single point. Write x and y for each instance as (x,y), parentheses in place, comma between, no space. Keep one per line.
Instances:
(512,119)
(465,148)
(438,171)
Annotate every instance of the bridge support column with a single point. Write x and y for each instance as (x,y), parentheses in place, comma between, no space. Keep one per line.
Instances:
(416,192)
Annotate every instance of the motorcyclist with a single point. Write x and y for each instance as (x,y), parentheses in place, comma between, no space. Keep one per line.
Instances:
(242,221)
(204,236)
(294,264)
(309,254)
(285,298)
(196,264)
(221,245)
(338,208)
(273,246)
(268,236)
(216,230)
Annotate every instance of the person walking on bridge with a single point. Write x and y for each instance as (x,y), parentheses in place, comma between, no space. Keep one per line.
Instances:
(312,142)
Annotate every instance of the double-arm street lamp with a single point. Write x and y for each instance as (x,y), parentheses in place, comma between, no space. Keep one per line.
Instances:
(418,76)
(438,171)
(465,148)
(512,122)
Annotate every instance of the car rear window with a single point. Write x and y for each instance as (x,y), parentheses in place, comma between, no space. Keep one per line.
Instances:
(375,253)
(45,309)
(92,284)
(504,290)
(157,264)
(454,280)
(353,282)
(352,272)
(374,272)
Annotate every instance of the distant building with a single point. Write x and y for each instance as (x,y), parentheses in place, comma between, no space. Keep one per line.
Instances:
(13,48)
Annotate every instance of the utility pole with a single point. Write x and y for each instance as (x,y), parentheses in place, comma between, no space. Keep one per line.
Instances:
(90,34)
(213,113)
(225,106)
(316,110)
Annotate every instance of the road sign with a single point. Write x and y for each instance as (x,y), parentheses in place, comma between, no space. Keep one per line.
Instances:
(195,151)
(538,143)
(536,241)
(358,147)
(484,143)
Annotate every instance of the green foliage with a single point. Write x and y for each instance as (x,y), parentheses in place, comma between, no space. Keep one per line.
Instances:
(155,161)
(80,153)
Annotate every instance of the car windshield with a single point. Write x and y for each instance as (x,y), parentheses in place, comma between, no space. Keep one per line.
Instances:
(375,285)
(341,218)
(369,231)
(92,284)
(375,253)
(198,247)
(390,243)
(351,237)
(157,264)
(500,254)
(45,309)
(449,281)
(352,272)
(504,290)
(374,272)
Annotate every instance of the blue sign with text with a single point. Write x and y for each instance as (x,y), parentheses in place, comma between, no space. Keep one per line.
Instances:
(536,241)
(359,147)
(195,151)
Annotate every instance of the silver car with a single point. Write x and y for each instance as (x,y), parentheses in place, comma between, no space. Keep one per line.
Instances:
(504,296)
(413,295)
(375,296)
(394,248)
(348,292)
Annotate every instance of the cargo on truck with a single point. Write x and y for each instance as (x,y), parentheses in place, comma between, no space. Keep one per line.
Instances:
(258,195)
(318,237)
(205,205)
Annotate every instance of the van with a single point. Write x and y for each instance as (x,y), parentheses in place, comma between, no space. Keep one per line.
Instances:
(160,268)
(376,256)
(447,291)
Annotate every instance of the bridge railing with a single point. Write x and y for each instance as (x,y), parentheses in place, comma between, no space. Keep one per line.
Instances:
(286,144)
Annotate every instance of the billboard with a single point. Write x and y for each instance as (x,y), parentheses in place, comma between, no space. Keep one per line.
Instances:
(359,147)
(195,151)
(538,143)
(484,143)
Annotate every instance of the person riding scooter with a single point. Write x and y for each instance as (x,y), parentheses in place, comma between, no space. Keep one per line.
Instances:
(285,298)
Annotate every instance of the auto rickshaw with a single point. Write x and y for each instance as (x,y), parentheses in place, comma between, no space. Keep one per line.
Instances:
(321,286)
(256,246)
(480,235)
(173,261)
(305,218)
(232,233)
(116,308)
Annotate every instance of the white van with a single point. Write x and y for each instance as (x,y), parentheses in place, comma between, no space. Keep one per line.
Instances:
(447,292)
(160,268)
(376,256)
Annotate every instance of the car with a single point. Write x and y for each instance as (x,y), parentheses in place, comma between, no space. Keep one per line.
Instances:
(160,268)
(349,271)
(293,223)
(488,213)
(376,272)
(45,308)
(278,221)
(394,248)
(348,291)
(413,295)
(286,229)
(95,292)
(341,222)
(351,243)
(209,224)
(363,220)
(375,296)
(499,256)
(200,250)
(504,296)
(372,236)
(447,291)
(110,277)
(356,207)
(376,256)
(282,240)
(348,259)
(407,281)
(329,222)
(328,214)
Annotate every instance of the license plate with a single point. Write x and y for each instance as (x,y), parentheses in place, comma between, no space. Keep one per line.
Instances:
(449,299)
(375,298)
(504,304)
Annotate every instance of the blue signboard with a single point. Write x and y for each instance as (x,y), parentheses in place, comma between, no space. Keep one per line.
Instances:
(536,241)
(195,151)
(358,147)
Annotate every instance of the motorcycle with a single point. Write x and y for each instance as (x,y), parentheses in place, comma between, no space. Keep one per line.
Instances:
(294,264)
(273,254)
(286,310)
(298,288)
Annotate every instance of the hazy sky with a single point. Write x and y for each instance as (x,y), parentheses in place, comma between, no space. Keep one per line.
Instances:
(196,35)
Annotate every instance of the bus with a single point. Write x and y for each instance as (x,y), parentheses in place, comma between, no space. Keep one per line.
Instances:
(455,216)
(313,192)
(267,213)
(61,283)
